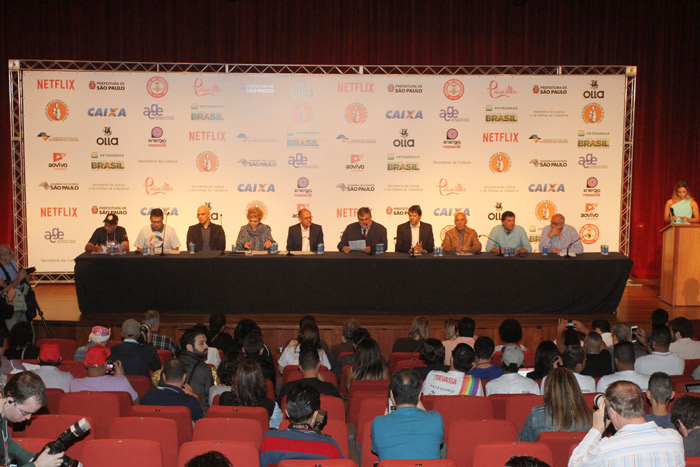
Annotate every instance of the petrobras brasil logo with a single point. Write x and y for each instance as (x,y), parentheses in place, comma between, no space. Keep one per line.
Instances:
(106,112)
(593,139)
(449,212)
(206,113)
(354,187)
(501,114)
(546,187)
(256,187)
(303,139)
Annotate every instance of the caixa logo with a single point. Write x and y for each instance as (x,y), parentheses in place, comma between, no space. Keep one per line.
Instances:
(546,187)
(450,211)
(106,112)
(256,187)
(54,235)
(146,211)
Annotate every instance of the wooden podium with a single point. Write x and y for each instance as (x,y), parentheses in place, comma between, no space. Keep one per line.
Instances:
(680,265)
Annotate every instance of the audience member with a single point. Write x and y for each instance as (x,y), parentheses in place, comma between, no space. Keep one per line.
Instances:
(523,461)
(624,363)
(511,333)
(432,353)
(455,381)
(174,391)
(226,371)
(569,332)
(465,331)
(622,332)
(193,352)
(137,358)
(49,359)
(683,344)
(306,319)
(217,336)
(547,357)
(249,390)
(408,431)
(512,358)
(310,367)
(659,395)
(420,331)
(98,336)
(449,330)
(160,341)
(21,340)
(369,363)
(209,459)
(573,359)
(358,336)
(253,349)
(636,442)
(345,344)
(686,416)
(97,378)
(598,359)
(602,327)
(300,440)
(308,335)
(484,369)
(660,359)
(659,317)
(564,408)
(212,358)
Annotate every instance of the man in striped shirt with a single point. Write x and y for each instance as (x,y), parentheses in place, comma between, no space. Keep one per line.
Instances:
(637,442)
(455,381)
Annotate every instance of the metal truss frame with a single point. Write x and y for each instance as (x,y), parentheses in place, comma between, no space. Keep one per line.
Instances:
(17,67)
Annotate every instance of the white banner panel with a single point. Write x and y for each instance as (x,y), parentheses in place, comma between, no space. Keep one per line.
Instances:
(125,142)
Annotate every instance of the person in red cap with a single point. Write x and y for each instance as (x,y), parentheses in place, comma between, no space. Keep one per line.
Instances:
(49,359)
(97,379)
(99,336)
(110,233)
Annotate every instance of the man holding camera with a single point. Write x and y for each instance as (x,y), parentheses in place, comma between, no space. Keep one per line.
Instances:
(96,361)
(636,442)
(300,440)
(136,353)
(23,395)
(17,300)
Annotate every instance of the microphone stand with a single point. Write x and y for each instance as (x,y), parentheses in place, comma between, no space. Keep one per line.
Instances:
(500,253)
(569,246)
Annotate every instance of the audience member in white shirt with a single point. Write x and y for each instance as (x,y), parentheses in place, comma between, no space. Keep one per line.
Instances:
(624,362)
(683,345)
(574,359)
(511,382)
(660,359)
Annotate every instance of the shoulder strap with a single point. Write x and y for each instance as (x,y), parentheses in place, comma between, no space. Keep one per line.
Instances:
(190,375)
(7,275)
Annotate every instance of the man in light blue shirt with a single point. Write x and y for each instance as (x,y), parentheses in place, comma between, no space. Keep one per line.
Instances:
(557,236)
(508,235)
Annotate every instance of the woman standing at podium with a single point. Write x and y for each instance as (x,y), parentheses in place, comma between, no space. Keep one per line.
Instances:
(681,208)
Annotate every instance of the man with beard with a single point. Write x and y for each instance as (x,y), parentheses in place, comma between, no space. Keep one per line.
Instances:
(193,353)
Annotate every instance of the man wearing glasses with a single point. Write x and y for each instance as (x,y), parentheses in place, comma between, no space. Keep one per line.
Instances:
(557,236)
(23,395)
(161,237)
(304,236)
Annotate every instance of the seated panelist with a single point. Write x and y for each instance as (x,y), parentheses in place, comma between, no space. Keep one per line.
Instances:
(255,235)
(304,236)
(461,238)
(372,233)
(205,235)
(414,235)
(111,232)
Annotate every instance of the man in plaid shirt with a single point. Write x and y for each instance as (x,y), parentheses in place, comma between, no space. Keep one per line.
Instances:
(160,341)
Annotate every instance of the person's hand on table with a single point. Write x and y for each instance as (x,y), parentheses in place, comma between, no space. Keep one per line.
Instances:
(267,244)
(248,245)
(346,249)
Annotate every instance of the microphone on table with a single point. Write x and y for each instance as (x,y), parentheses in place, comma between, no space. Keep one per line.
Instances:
(569,246)
(165,230)
(494,241)
(221,222)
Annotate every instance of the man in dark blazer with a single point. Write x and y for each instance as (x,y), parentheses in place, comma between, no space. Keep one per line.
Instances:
(197,233)
(372,232)
(136,358)
(304,230)
(404,235)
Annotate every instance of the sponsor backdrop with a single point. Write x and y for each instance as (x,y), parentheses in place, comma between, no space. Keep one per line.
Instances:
(128,142)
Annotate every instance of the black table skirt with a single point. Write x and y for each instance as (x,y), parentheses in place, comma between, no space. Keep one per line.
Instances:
(392,283)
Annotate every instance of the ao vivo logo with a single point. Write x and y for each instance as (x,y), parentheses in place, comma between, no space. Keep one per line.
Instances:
(54,235)
(59,212)
(57,164)
(256,187)
(66,84)
(446,189)
(495,92)
(449,211)
(355,162)
(410,114)
(153,189)
(546,187)
(106,112)
(589,214)
(201,90)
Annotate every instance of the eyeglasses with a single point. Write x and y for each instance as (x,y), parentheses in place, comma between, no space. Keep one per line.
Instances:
(24,414)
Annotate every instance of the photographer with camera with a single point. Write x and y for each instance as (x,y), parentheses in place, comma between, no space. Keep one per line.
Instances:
(97,363)
(136,352)
(17,299)
(23,395)
(636,442)
(303,439)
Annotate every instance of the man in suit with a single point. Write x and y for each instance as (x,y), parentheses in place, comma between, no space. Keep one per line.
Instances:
(304,236)
(372,233)
(205,235)
(415,235)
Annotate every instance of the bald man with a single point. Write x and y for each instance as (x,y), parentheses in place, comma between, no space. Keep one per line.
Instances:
(557,236)
(205,235)
(304,236)
(461,238)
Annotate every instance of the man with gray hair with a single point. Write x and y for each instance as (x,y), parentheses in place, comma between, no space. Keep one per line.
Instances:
(372,233)
(136,357)
(558,236)
(636,442)
(160,341)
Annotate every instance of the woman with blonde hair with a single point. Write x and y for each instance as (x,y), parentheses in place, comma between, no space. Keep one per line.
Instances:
(681,208)
(255,235)
(420,331)
(564,408)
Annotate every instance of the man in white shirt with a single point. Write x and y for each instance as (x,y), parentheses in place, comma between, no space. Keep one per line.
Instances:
(574,359)
(660,359)
(455,382)
(512,358)
(49,359)
(157,234)
(683,345)
(636,442)
(304,236)
(624,362)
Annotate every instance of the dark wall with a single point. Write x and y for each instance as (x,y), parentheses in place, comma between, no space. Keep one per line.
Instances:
(659,36)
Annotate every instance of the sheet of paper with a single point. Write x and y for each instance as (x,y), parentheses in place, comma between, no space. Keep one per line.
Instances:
(357,245)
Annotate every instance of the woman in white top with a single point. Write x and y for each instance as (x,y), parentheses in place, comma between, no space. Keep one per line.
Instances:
(310,336)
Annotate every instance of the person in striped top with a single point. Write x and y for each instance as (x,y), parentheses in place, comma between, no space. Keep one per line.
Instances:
(456,381)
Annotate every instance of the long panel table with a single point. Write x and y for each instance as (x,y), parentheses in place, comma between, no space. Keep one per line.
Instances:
(392,283)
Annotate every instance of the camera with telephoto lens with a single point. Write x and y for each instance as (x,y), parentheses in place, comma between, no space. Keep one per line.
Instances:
(321,421)
(143,333)
(65,440)
(596,405)
(30,270)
